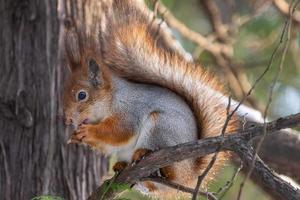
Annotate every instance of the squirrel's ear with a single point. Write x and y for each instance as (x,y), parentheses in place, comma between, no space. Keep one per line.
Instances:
(94,72)
(72,48)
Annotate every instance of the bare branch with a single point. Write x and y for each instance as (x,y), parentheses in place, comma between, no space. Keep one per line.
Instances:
(286,146)
(203,175)
(235,142)
(284,8)
(221,52)
(202,41)
(270,180)
(164,33)
(215,17)
(222,191)
(179,187)
(287,32)
(214,158)
(164,157)
(229,115)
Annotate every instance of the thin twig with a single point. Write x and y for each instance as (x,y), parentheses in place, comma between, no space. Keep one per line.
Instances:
(214,158)
(279,188)
(222,53)
(233,142)
(203,175)
(222,191)
(178,187)
(262,74)
(229,116)
(288,30)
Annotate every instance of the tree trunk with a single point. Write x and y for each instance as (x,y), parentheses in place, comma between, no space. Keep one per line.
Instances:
(34,156)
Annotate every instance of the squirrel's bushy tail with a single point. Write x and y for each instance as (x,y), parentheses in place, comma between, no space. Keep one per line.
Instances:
(132,52)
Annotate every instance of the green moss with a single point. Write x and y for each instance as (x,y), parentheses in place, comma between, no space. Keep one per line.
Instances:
(47,197)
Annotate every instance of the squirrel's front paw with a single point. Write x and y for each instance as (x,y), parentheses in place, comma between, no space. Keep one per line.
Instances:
(86,133)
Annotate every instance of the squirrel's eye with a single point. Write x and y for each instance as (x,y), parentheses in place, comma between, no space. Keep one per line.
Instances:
(82,95)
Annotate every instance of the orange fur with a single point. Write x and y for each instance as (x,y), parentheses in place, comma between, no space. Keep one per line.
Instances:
(168,172)
(139,154)
(109,131)
(119,166)
(151,187)
(133,53)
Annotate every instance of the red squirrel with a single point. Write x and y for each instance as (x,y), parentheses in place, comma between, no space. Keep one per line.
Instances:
(129,96)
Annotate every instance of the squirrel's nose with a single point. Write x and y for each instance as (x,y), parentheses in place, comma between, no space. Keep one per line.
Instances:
(68,121)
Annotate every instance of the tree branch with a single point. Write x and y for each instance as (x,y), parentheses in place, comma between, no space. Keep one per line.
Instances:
(213,47)
(277,150)
(221,52)
(284,8)
(264,174)
(163,181)
(208,42)
(285,145)
(236,142)
(215,17)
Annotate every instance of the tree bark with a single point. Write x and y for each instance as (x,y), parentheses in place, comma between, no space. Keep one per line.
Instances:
(281,152)
(34,157)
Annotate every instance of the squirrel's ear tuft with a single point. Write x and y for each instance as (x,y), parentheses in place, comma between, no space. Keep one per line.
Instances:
(94,72)
(72,48)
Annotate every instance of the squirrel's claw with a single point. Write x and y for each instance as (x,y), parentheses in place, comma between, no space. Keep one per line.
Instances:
(85,134)
(73,141)
(75,138)
(69,141)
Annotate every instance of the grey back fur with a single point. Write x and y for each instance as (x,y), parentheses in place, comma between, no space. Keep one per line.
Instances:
(175,122)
